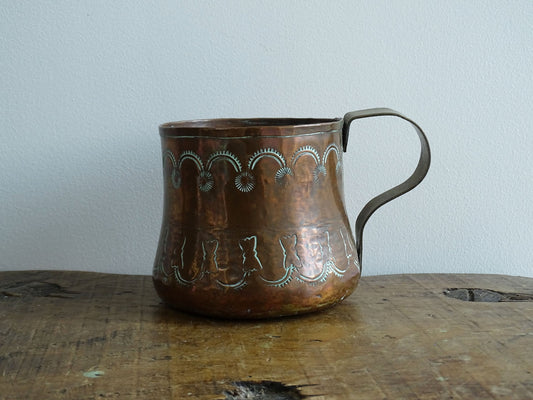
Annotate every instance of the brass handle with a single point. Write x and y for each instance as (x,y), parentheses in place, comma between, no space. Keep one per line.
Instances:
(417,176)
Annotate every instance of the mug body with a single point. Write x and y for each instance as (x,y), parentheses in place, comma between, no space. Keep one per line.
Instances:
(254,221)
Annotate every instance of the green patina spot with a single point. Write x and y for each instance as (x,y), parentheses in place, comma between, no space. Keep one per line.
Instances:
(93,374)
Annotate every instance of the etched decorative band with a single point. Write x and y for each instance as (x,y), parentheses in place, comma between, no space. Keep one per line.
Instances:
(305,261)
(245,180)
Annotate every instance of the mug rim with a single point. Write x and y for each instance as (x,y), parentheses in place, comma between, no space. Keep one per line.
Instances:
(249,126)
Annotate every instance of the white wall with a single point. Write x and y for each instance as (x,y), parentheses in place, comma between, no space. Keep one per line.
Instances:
(84,85)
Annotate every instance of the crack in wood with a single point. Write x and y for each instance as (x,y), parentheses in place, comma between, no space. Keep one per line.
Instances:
(486,295)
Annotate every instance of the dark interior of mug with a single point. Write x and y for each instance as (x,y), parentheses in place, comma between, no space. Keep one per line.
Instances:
(247,122)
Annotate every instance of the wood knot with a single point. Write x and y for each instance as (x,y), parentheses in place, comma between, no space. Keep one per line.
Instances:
(35,289)
(263,390)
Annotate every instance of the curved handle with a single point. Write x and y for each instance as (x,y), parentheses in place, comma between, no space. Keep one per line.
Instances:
(417,176)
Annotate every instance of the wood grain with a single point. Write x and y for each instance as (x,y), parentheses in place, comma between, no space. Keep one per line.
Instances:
(82,335)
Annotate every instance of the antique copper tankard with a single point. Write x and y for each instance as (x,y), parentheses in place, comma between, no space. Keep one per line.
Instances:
(254,222)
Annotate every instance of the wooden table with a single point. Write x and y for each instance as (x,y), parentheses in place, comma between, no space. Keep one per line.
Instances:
(82,335)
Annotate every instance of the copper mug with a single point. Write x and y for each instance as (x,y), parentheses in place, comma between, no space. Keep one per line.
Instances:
(254,221)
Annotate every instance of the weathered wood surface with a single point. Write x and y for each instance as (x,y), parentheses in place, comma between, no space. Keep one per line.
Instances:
(80,335)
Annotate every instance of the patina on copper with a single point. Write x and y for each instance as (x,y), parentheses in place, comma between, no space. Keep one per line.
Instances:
(254,222)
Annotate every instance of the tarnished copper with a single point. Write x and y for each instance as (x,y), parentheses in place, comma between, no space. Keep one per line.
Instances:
(254,222)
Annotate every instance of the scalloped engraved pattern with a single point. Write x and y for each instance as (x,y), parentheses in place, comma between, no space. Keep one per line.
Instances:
(245,178)
(172,264)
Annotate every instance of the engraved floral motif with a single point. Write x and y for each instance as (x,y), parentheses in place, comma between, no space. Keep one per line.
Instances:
(205,181)
(319,170)
(175,178)
(282,174)
(245,181)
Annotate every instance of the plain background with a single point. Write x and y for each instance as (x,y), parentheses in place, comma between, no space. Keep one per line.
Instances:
(85,84)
